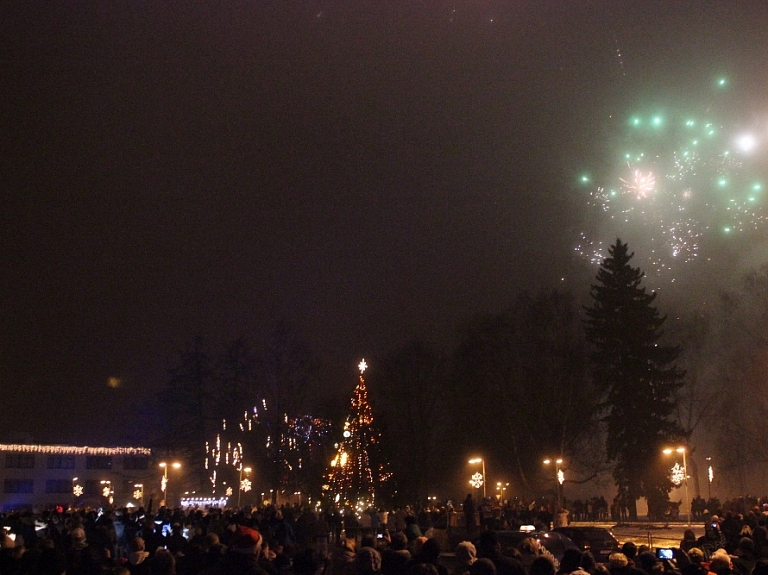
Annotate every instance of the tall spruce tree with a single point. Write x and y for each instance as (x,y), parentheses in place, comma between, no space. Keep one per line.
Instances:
(637,377)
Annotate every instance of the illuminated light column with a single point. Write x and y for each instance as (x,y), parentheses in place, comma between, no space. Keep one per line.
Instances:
(482,481)
(164,483)
(106,490)
(682,450)
(559,479)
(245,484)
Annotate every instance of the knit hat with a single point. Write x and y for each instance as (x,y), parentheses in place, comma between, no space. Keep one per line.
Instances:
(466,552)
(368,561)
(245,540)
(617,560)
(78,538)
(696,555)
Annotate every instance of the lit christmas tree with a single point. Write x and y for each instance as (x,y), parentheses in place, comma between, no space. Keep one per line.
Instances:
(357,471)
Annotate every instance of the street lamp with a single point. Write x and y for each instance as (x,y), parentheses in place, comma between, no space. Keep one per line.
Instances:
(164,482)
(480,460)
(501,488)
(559,478)
(245,484)
(682,450)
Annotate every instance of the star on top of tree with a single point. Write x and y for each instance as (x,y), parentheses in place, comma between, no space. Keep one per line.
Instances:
(362,366)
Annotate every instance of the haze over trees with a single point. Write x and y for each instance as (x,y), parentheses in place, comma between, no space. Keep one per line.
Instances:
(599,386)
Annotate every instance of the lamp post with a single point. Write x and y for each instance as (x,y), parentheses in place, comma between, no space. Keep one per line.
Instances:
(243,486)
(559,478)
(164,483)
(682,450)
(480,460)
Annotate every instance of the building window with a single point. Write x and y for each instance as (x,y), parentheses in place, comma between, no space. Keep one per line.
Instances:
(92,487)
(136,463)
(58,486)
(19,486)
(19,461)
(98,462)
(61,462)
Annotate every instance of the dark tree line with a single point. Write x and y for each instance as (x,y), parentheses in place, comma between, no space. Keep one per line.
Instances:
(547,378)
(245,395)
(520,381)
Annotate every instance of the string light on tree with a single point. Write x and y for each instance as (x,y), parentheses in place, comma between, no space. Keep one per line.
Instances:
(290,443)
(358,471)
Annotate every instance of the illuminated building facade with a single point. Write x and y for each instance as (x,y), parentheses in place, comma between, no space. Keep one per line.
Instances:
(45,476)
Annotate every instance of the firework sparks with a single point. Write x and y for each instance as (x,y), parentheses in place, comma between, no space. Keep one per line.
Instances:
(694,184)
(641,184)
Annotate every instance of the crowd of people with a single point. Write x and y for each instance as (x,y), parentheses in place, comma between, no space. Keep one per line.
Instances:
(301,541)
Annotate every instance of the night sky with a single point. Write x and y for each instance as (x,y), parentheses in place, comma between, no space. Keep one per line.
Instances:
(371,171)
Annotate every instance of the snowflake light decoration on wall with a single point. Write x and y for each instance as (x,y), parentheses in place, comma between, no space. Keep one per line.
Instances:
(678,474)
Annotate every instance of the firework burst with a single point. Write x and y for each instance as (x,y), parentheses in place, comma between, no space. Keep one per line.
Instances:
(683,186)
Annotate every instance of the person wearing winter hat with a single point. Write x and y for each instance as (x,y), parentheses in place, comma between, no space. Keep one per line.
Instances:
(137,558)
(242,555)
(465,554)
(483,566)
(368,561)
(77,536)
(571,563)
(394,559)
(429,552)
(245,540)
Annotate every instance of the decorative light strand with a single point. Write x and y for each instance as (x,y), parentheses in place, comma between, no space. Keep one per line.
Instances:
(74,450)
